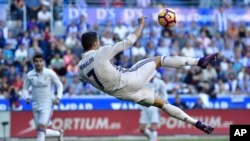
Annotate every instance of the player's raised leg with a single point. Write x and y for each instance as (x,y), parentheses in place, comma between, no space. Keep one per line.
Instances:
(179,61)
(181,115)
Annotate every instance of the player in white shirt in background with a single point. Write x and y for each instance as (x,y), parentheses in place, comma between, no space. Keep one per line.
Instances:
(129,83)
(38,84)
(150,116)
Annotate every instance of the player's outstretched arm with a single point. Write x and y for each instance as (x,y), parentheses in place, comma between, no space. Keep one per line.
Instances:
(138,30)
(111,51)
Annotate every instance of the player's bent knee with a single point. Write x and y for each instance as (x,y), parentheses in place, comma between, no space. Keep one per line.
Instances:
(157,61)
(146,102)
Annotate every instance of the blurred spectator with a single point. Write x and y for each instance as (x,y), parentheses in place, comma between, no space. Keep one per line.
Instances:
(11,40)
(198,104)
(32,8)
(150,49)
(8,54)
(32,24)
(57,64)
(17,82)
(232,82)
(21,54)
(204,40)
(69,94)
(211,48)
(121,30)
(246,40)
(138,52)
(117,3)
(107,38)
(71,40)
(34,49)
(46,34)
(180,104)
(209,74)
(72,68)
(36,34)
(72,28)
(78,49)
(4,87)
(227,3)
(81,3)
(218,41)
(57,10)
(68,57)
(228,50)
(91,90)
(221,87)
(18,28)
(14,99)
(221,19)
(163,49)
(76,86)
(233,31)
(143,3)
(247,2)
(193,28)
(188,50)
(43,17)
(26,40)
(16,9)
(65,83)
(154,27)
(2,40)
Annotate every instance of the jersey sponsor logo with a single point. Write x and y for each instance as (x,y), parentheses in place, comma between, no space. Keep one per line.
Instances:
(84,65)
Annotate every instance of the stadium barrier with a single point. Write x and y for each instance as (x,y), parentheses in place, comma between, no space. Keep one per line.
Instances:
(106,102)
(124,122)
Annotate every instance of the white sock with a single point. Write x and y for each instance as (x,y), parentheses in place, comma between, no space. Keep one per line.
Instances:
(178,113)
(52,133)
(40,136)
(147,132)
(153,135)
(178,61)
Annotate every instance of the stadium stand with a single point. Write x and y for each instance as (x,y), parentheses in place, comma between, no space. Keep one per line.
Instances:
(61,46)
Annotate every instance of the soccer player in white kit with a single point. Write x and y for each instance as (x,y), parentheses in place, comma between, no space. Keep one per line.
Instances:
(39,82)
(150,116)
(128,84)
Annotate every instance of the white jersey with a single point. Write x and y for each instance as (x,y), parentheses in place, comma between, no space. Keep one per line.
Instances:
(40,87)
(95,66)
(159,87)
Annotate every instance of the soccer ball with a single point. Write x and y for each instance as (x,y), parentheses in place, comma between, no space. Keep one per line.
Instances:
(166,18)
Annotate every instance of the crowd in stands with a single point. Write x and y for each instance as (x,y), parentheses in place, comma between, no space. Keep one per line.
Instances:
(230,75)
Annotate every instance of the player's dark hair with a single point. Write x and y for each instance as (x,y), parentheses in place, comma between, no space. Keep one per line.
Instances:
(88,40)
(38,55)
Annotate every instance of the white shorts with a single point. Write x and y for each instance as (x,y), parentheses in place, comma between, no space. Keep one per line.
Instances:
(42,116)
(149,115)
(137,76)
